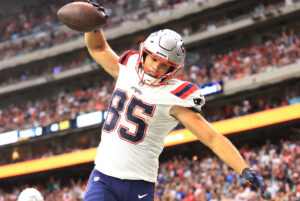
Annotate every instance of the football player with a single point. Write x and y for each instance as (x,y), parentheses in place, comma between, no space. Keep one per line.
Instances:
(146,105)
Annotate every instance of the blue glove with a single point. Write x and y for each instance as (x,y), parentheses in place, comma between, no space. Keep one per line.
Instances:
(100,8)
(254,179)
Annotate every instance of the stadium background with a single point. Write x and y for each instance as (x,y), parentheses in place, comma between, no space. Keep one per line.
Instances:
(53,96)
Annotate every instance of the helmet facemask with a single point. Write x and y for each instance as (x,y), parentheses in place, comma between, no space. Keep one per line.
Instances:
(153,46)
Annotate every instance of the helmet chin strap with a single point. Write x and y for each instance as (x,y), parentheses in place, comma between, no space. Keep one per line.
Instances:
(149,79)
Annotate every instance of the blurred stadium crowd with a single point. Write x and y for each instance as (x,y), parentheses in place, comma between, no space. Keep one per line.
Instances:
(66,104)
(45,32)
(210,179)
(235,64)
(204,179)
(200,69)
(36,18)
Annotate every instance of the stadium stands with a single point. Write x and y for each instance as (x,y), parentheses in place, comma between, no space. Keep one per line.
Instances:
(203,70)
(207,178)
(232,65)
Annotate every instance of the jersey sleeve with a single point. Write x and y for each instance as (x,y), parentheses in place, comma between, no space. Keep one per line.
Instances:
(126,57)
(188,95)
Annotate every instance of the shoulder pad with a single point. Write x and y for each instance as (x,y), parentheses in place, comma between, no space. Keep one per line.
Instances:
(189,95)
(125,57)
(184,90)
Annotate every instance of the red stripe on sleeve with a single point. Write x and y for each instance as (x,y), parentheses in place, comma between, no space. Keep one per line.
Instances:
(178,89)
(189,92)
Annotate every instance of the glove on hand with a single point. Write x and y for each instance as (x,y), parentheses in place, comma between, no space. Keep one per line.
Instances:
(254,179)
(100,8)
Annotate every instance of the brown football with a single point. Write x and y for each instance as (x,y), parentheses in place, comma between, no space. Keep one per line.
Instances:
(81,16)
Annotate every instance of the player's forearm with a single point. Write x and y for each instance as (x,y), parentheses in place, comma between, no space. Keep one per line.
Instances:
(228,153)
(210,137)
(95,41)
(102,53)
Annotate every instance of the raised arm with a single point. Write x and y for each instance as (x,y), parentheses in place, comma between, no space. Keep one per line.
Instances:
(102,52)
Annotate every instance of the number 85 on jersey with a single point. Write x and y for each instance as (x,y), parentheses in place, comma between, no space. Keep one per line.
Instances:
(121,105)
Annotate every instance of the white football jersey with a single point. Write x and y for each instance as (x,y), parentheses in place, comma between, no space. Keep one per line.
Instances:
(138,121)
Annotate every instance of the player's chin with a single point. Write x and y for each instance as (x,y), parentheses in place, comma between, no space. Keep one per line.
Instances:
(151,74)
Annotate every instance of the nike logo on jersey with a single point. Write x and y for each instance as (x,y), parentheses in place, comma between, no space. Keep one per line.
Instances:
(96,178)
(142,196)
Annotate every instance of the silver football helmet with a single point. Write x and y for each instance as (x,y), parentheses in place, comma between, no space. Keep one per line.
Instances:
(168,47)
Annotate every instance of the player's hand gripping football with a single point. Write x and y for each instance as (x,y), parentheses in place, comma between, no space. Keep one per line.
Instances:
(83,16)
(100,8)
(254,179)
